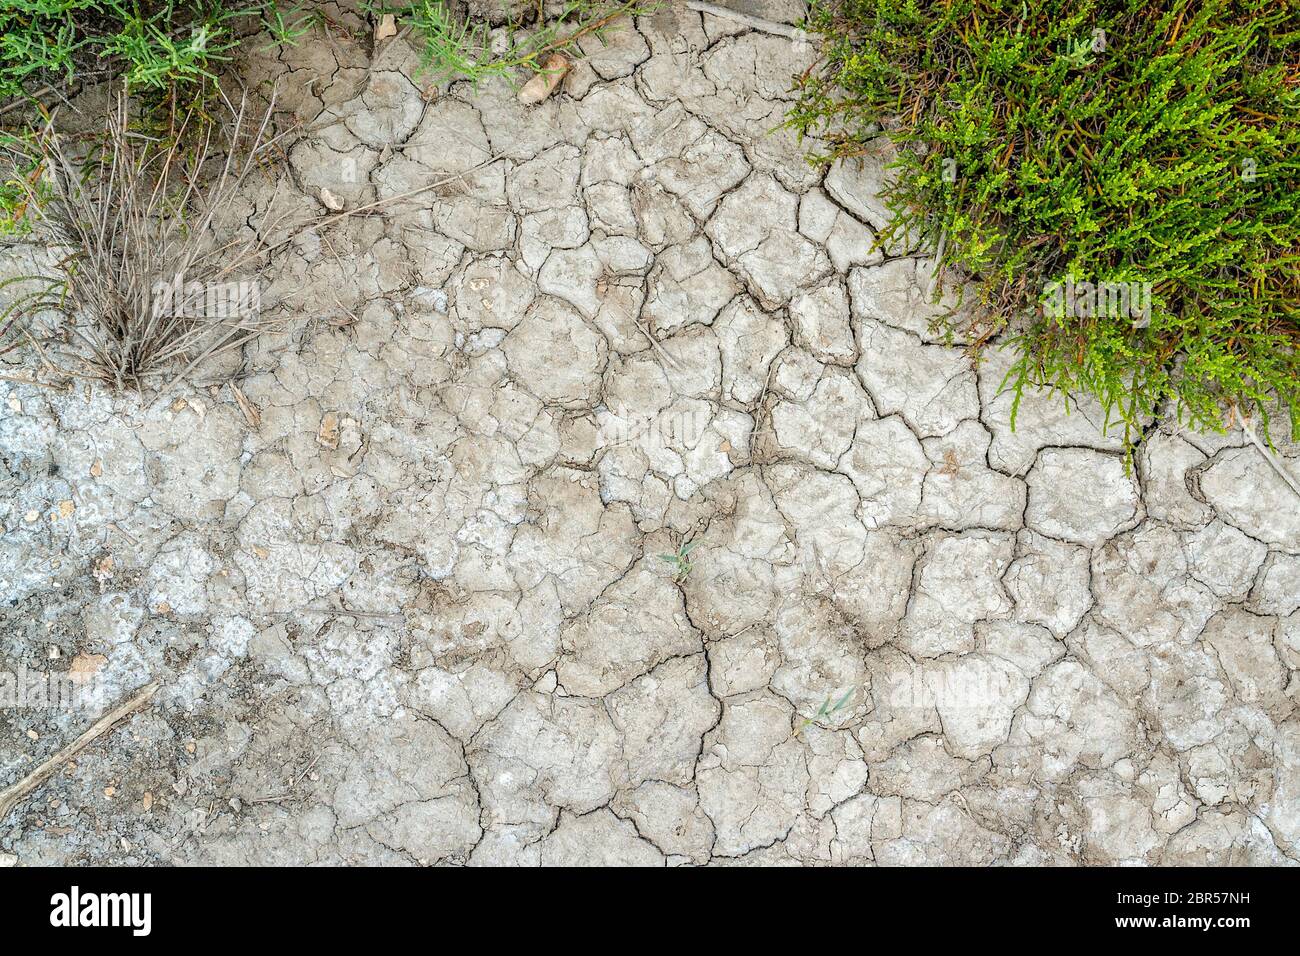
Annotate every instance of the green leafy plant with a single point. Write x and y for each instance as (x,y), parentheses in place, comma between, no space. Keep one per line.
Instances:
(288,27)
(21,184)
(1097,144)
(679,559)
(825,712)
(457,48)
(153,44)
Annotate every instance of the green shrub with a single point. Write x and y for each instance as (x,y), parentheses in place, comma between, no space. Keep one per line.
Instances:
(152,44)
(1099,141)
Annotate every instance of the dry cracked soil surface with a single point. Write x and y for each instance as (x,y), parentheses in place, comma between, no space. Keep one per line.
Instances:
(405,595)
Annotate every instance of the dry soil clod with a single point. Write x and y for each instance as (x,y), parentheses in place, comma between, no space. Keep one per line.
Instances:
(386,27)
(544,83)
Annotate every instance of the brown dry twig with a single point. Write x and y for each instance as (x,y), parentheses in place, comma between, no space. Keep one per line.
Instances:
(13,795)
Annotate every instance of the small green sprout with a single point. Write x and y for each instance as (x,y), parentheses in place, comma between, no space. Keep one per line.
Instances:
(827,709)
(681,566)
(1079,54)
(288,30)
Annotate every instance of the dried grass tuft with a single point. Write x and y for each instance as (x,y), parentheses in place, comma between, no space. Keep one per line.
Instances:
(146,277)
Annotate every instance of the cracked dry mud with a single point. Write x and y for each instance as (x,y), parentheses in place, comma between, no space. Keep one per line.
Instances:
(417,613)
